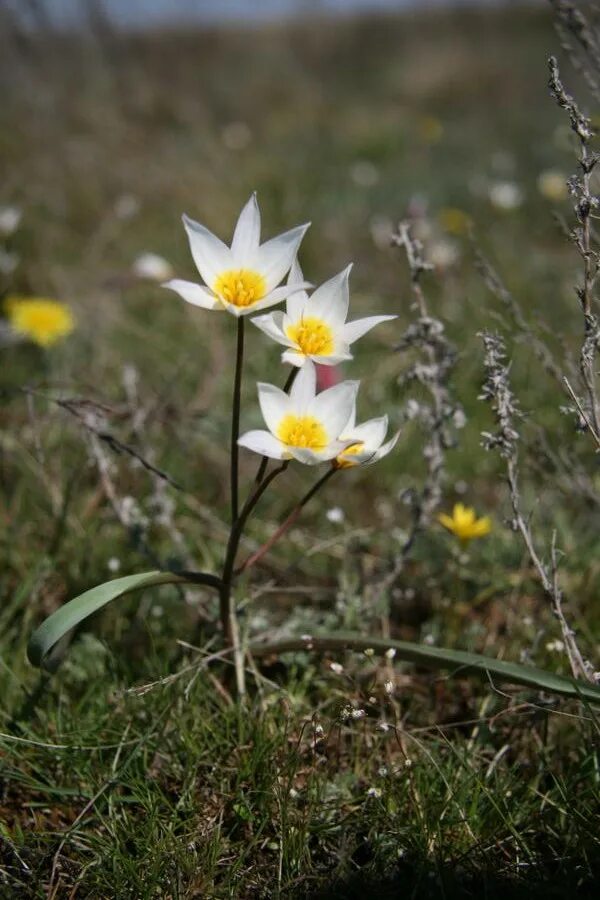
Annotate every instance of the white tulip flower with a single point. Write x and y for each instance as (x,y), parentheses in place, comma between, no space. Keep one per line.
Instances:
(303,425)
(315,327)
(365,443)
(242,278)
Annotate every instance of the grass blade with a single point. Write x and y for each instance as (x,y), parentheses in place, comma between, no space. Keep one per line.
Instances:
(75,611)
(460,661)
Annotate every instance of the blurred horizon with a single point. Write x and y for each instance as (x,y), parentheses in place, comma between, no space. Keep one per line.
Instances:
(143,14)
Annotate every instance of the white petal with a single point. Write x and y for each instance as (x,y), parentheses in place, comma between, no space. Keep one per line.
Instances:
(302,393)
(371,433)
(350,425)
(274,404)
(294,357)
(193,293)
(296,302)
(312,457)
(341,354)
(334,407)
(210,254)
(296,273)
(275,257)
(272,325)
(384,449)
(264,443)
(355,330)
(330,300)
(246,236)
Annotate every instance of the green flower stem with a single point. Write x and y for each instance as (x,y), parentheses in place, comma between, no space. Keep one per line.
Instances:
(235,535)
(235,419)
(254,558)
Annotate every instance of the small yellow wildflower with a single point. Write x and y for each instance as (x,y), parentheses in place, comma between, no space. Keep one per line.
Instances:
(42,320)
(454,220)
(464,524)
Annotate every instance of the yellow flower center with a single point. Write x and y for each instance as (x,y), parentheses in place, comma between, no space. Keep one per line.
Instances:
(302,431)
(44,321)
(343,462)
(312,336)
(242,287)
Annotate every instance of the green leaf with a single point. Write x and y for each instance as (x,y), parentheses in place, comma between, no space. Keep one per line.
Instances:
(75,611)
(461,662)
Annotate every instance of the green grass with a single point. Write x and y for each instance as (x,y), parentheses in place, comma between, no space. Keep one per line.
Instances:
(111,790)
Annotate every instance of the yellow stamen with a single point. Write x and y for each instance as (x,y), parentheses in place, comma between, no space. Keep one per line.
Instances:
(312,336)
(302,431)
(342,462)
(43,321)
(241,287)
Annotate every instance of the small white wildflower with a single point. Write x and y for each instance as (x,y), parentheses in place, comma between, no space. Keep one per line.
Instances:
(306,637)
(113,564)
(444,253)
(506,195)
(389,687)
(407,762)
(293,793)
(374,792)
(318,729)
(383,726)
(369,651)
(555,646)
(10,217)
(382,771)
(372,699)
(429,639)
(336,514)
(153,267)
(358,713)
(390,653)
(336,667)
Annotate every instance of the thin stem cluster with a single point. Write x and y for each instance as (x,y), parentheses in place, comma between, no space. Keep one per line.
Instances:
(440,416)
(498,393)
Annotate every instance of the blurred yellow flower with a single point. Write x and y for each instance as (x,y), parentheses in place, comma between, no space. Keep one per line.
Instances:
(464,524)
(42,320)
(454,220)
(552,184)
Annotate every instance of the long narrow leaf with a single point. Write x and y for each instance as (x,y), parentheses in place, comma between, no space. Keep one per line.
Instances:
(461,662)
(78,609)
